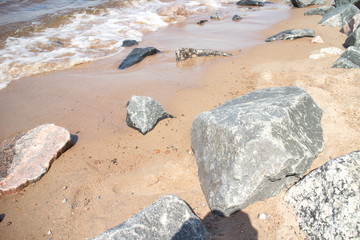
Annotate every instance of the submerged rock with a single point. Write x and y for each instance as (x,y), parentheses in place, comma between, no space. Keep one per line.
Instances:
(169,218)
(349,59)
(29,156)
(236,18)
(251,147)
(143,113)
(326,200)
(339,16)
(353,39)
(186,53)
(250,3)
(129,43)
(319,10)
(137,55)
(217,16)
(305,3)
(291,35)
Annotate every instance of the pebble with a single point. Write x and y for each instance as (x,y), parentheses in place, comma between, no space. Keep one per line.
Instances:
(64,201)
(262,216)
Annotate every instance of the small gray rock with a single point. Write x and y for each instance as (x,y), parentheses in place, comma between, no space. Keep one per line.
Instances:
(217,16)
(319,10)
(339,16)
(236,18)
(349,59)
(137,55)
(169,218)
(186,53)
(291,35)
(129,43)
(143,113)
(327,200)
(305,3)
(251,147)
(353,39)
(250,3)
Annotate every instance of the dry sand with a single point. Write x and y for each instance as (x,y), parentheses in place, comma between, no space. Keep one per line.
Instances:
(113,171)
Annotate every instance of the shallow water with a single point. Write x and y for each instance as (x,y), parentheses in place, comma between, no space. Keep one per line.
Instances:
(46,35)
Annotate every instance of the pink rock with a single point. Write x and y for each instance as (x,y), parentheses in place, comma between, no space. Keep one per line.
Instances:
(317,39)
(351,26)
(29,156)
(173,10)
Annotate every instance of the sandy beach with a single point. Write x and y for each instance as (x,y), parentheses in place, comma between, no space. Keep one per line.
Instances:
(113,171)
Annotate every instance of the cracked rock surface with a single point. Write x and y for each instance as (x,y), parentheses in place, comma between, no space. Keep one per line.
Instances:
(251,147)
(186,53)
(327,200)
(169,218)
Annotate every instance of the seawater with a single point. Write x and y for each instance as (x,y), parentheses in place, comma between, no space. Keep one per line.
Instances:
(44,35)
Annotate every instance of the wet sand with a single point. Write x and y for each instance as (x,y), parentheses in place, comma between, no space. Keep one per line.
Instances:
(113,171)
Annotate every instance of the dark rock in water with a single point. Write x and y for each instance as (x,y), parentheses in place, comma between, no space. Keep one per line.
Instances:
(169,218)
(349,59)
(2,216)
(327,199)
(353,39)
(339,16)
(129,43)
(305,3)
(236,18)
(319,10)
(251,147)
(291,35)
(217,16)
(29,156)
(186,53)
(250,3)
(202,22)
(143,113)
(339,3)
(136,55)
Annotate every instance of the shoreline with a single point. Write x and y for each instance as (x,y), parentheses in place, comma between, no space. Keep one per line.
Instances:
(101,194)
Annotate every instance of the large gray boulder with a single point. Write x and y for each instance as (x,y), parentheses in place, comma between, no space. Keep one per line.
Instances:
(305,3)
(291,35)
(319,10)
(136,56)
(327,200)
(169,218)
(143,113)
(339,3)
(353,39)
(339,16)
(349,59)
(351,26)
(186,53)
(27,157)
(251,147)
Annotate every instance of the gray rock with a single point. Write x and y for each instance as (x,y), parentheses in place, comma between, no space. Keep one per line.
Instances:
(351,26)
(250,3)
(29,156)
(319,10)
(339,3)
(143,113)
(349,59)
(137,55)
(169,218)
(251,147)
(129,43)
(236,18)
(217,16)
(339,16)
(353,39)
(186,53)
(305,3)
(327,200)
(291,35)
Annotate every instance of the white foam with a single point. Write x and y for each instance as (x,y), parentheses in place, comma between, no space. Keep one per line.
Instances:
(86,38)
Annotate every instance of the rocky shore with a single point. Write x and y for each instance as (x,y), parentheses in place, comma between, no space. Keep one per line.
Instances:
(237,156)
